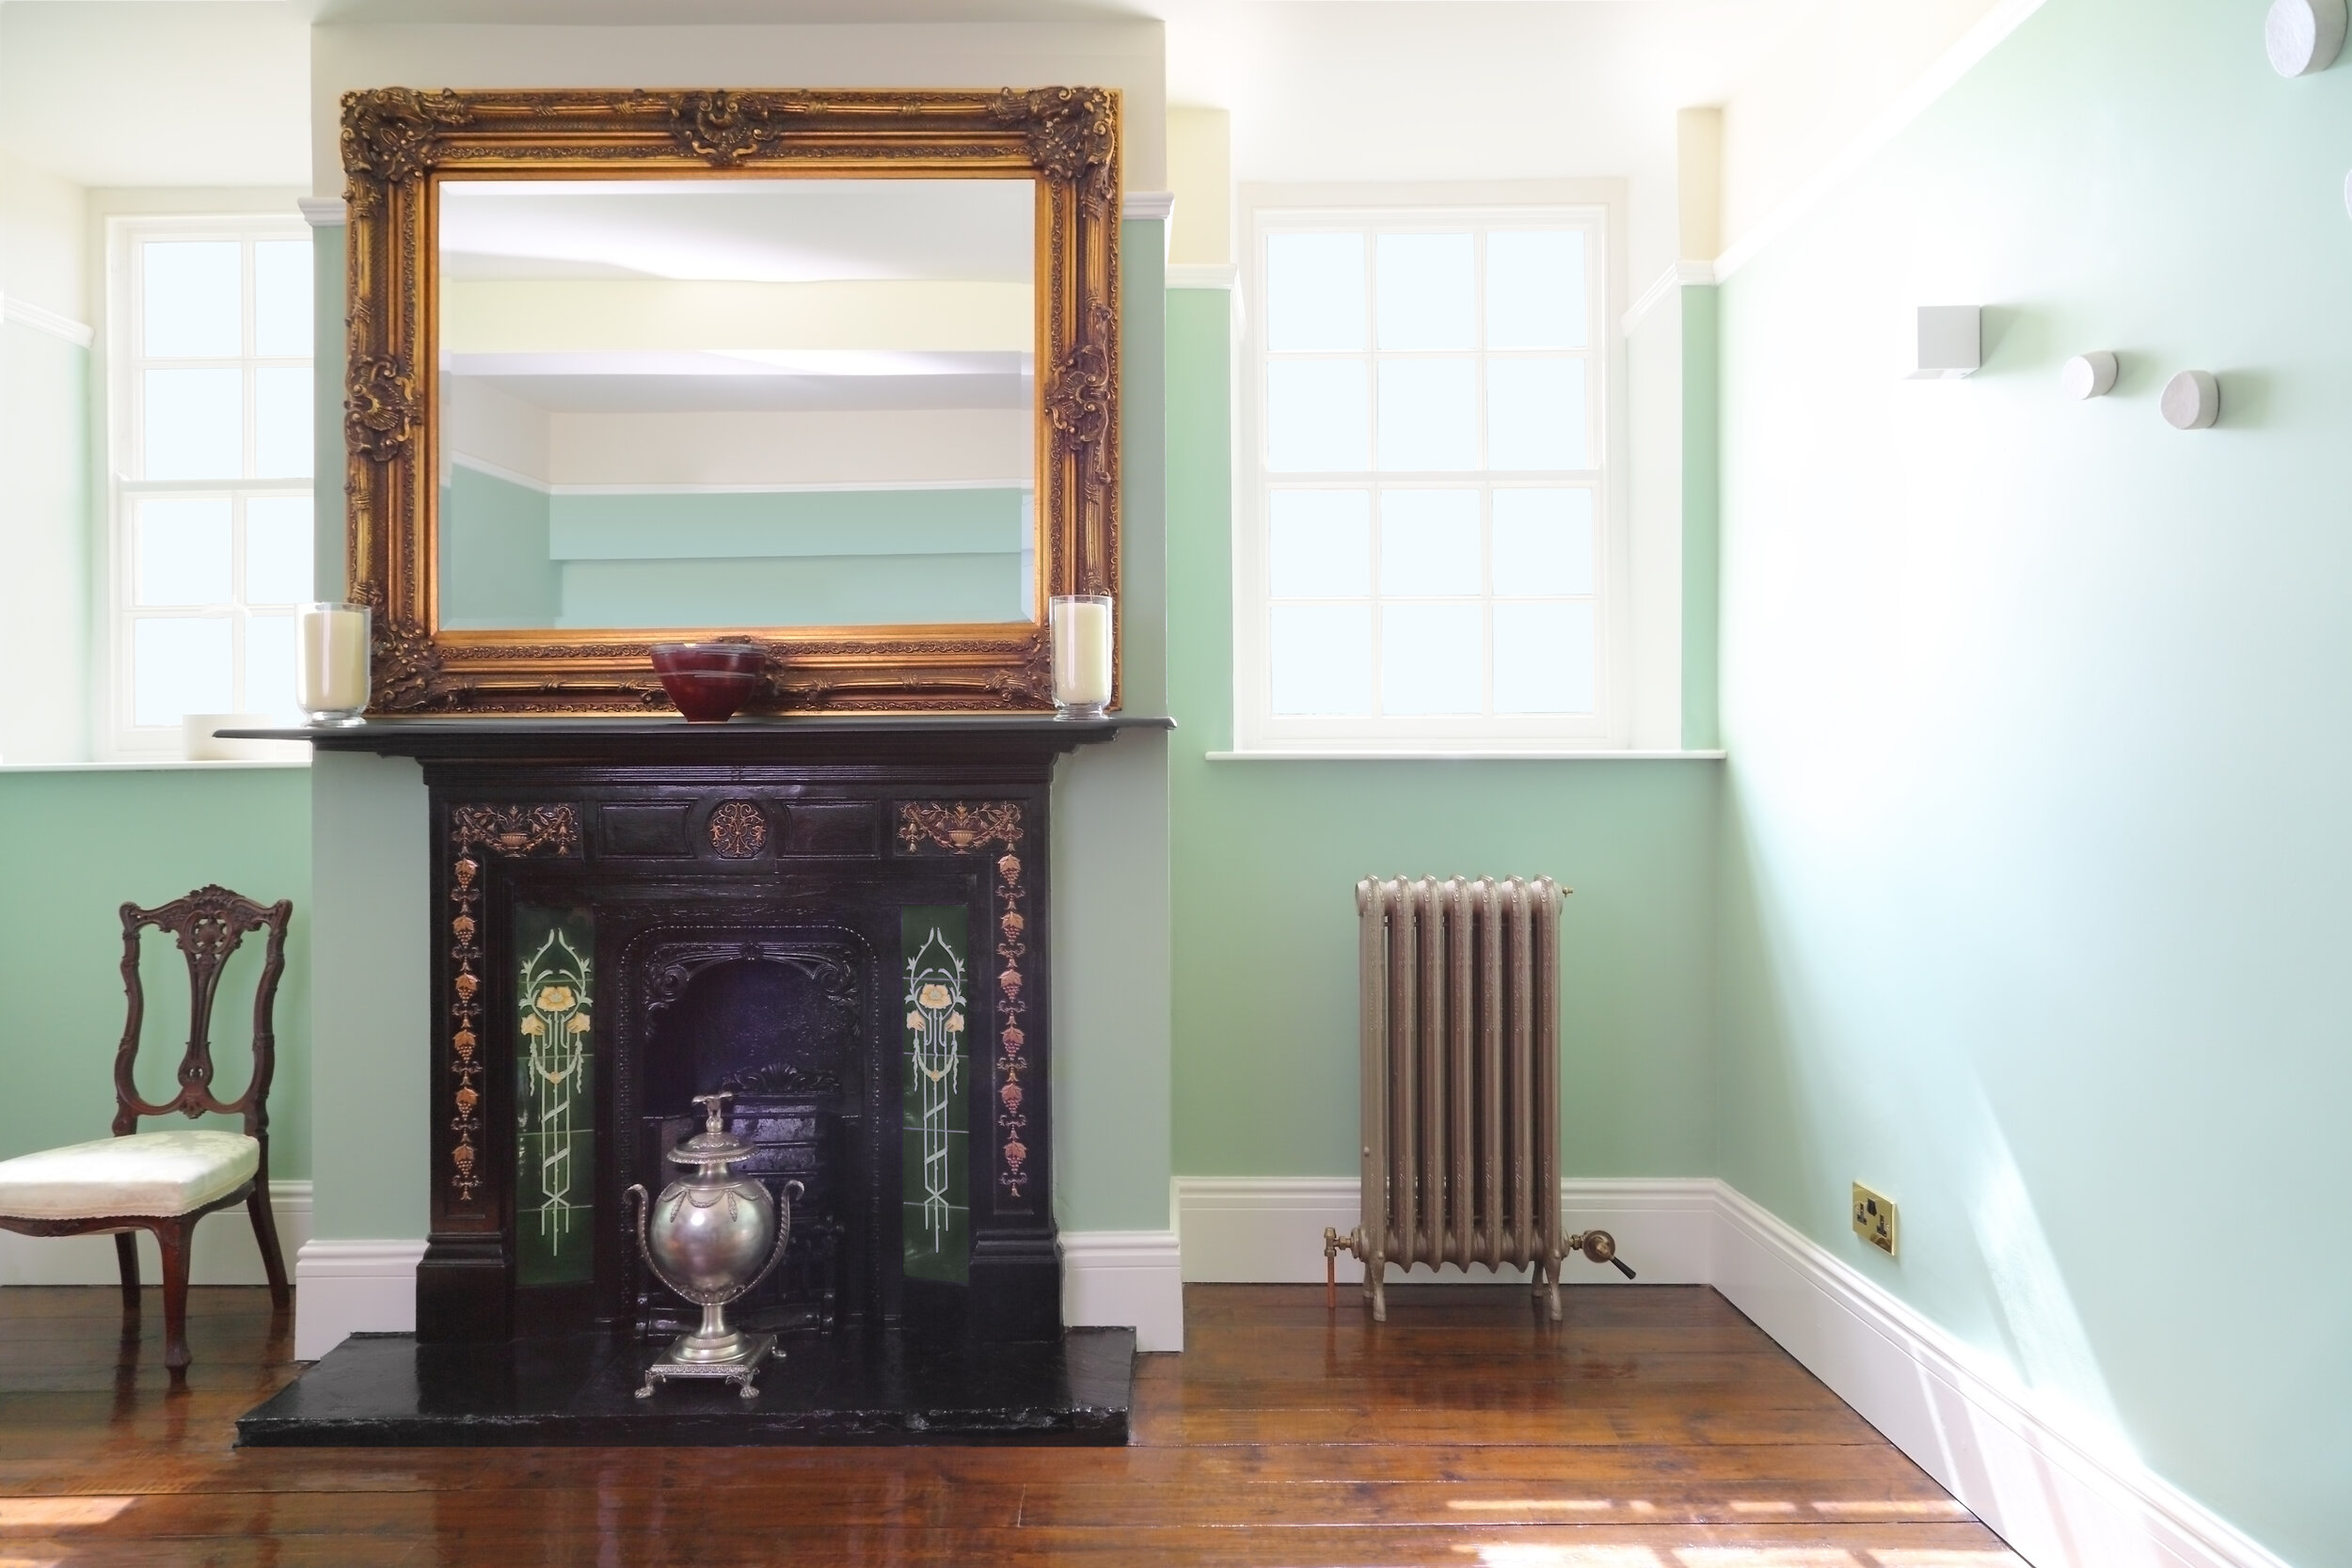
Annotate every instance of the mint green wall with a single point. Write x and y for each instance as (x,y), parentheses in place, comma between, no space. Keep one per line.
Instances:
(797,591)
(76,846)
(1112,1115)
(496,569)
(371,1011)
(515,556)
(2037,844)
(1268,855)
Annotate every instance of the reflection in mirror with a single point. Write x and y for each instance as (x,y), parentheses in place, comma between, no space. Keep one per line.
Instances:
(737,403)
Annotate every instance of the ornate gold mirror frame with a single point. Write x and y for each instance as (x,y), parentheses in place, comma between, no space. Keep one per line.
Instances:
(397,144)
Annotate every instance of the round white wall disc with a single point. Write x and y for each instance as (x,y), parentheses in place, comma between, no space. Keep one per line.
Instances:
(2303,36)
(2192,401)
(2088,375)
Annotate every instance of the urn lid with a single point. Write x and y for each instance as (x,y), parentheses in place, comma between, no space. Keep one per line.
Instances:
(714,1145)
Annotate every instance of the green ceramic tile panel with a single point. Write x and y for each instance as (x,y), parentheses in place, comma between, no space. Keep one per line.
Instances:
(936,1086)
(555,1095)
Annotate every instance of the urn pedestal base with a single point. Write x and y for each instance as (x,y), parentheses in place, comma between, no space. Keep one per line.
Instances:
(739,1370)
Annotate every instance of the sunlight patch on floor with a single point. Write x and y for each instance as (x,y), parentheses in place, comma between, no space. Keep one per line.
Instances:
(39,1515)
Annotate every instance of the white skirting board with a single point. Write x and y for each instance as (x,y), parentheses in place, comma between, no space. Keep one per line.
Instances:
(355,1287)
(1120,1278)
(1269,1230)
(1124,1279)
(224,1250)
(2060,1503)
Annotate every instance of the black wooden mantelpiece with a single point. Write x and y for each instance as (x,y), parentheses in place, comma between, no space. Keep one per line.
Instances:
(770,833)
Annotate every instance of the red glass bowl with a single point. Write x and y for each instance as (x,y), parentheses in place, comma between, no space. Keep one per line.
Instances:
(710,681)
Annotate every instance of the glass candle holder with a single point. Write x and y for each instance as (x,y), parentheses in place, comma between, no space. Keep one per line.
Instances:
(1080,625)
(331,662)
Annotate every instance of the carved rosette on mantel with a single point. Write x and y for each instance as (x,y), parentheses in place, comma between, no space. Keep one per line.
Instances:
(971,828)
(398,143)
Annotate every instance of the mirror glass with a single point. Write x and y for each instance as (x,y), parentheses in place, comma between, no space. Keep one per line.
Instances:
(737,403)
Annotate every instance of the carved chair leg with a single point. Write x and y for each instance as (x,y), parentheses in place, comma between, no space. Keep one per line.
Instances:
(172,1238)
(127,1261)
(265,1234)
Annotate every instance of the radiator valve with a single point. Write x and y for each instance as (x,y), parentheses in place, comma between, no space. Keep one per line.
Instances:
(1601,1247)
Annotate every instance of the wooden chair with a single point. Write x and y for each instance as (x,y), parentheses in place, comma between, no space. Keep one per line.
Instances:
(166,1182)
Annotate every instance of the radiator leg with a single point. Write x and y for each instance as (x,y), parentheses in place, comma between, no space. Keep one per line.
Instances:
(1379,1292)
(1551,1289)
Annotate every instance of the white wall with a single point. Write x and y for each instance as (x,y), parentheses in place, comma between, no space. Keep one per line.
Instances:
(904,446)
(1841,73)
(44,535)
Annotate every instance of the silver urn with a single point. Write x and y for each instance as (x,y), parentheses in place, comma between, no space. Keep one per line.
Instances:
(710,1237)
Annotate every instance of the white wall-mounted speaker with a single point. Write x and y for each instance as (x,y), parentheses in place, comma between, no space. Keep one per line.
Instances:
(1951,343)
(2088,375)
(2192,401)
(2303,36)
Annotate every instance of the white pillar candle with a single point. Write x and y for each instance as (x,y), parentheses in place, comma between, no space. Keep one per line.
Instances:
(331,669)
(1082,653)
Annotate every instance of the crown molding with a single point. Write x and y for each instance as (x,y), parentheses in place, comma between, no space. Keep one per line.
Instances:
(26,313)
(1157,206)
(1682,275)
(1204,275)
(325,212)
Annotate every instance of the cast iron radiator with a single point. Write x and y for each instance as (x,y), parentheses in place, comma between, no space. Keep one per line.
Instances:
(1459,997)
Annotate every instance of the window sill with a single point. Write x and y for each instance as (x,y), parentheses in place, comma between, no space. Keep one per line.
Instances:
(1393,754)
(159,765)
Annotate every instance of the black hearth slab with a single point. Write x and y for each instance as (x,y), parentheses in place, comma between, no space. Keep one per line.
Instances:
(386,1390)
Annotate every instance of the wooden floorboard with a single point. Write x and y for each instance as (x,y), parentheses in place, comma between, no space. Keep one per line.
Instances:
(1654,1428)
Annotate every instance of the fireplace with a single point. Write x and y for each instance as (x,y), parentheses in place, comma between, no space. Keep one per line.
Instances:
(845,925)
(844,928)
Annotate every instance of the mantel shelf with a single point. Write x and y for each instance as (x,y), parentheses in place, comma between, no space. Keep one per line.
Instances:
(739,740)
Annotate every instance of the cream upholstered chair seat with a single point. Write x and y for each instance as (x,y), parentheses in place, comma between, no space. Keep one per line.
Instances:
(145,1173)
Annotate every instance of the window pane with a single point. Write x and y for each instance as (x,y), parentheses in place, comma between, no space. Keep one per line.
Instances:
(282,299)
(1315,414)
(1428,414)
(1429,658)
(1314,292)
(178,667)
(1322,658)
(194,304)
(1535,290)
(1430,541)
(281,424)
(1536,414)
(1321,547)
(181,551)
(1428,296)
(278,549)
(1544,658)
(194,424)
(1543,542)
(269,668)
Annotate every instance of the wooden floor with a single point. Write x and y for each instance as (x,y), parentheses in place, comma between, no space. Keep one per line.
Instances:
(1656,1428)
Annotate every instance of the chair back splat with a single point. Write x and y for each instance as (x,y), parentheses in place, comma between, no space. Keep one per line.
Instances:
(209,925)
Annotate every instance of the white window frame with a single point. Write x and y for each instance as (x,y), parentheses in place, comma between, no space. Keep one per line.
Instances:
(118,737)
(1593,205)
